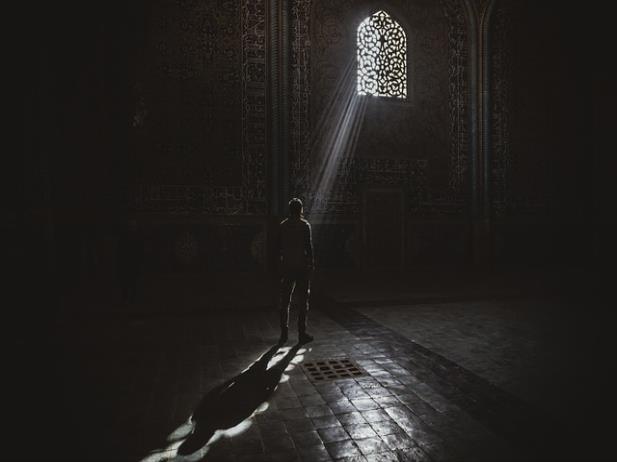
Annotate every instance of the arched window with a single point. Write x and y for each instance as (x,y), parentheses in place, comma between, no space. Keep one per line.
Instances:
(382,57)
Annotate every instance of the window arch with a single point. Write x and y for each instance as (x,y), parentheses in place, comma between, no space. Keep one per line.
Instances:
(382,57)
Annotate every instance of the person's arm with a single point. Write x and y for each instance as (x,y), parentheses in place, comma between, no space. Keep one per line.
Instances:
(308,248)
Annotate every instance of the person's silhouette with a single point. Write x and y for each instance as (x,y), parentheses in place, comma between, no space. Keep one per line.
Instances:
(230,403)
(295,252)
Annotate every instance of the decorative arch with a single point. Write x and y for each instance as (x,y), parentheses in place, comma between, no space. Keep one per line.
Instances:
(382,57)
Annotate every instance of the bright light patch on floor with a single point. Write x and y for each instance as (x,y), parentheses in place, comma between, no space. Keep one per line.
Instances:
(169,453)
(237,430)
(183,431)
(159,456)
(275,359)
(262,407)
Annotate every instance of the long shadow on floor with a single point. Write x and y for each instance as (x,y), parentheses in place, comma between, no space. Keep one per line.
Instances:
(228,404)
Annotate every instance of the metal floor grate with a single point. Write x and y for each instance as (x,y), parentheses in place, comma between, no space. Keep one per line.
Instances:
(332,369)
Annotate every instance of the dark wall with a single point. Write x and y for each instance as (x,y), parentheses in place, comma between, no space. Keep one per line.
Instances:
(155,110)
(542,148)
(191,94)
(203,144)
(418,146)
(201,135)
(163,109)
(74,67)
(603,71)
(69,175)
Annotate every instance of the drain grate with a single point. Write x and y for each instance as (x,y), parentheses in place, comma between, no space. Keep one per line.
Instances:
(332,369)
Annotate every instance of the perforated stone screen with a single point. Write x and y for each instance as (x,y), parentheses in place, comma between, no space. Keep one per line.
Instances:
(332,369)
(382,57)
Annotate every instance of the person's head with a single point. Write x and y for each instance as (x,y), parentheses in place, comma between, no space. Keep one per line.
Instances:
(295,208)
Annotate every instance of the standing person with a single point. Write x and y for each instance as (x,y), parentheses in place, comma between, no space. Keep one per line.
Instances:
(295,252)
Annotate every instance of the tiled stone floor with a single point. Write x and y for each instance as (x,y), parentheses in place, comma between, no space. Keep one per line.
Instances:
(506,342)
(165,370)
(439,387)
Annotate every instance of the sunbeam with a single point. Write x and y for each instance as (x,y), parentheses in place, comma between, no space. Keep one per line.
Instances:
(335,140)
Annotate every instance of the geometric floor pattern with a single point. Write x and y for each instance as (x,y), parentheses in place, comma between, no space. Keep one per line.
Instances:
(217,387)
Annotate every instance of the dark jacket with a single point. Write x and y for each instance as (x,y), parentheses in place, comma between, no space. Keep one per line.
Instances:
(295,247)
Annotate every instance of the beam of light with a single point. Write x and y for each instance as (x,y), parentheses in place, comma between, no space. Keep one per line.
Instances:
(335,140)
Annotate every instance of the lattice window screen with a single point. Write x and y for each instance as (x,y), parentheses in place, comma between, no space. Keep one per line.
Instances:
(382,57)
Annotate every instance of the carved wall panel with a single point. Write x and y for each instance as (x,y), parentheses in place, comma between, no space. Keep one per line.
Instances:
(204,78)
(501,104)
(540,167)
(534,115)
(481,6)
(345,196)
(421,143)
(300,172)
(254,112)
(204,247)
(458,102)
(333,245)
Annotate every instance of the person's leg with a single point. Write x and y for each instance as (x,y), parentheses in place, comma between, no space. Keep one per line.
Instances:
(286,291)
(303,291)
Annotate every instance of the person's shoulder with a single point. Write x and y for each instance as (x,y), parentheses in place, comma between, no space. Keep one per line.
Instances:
(305,222)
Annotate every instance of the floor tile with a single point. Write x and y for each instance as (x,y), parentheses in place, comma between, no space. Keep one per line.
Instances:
(342,449)
(299,425)
(388,456)
(414,403)
(351,418)
(376,415)
(316,453)
(372,445)
(318,411)
(398,441)
(386,427)
(330,435)
(307,439)
(326,422)
(364,404)
(358,431)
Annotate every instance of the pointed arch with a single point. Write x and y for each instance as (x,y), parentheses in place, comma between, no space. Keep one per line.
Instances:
(382,57)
